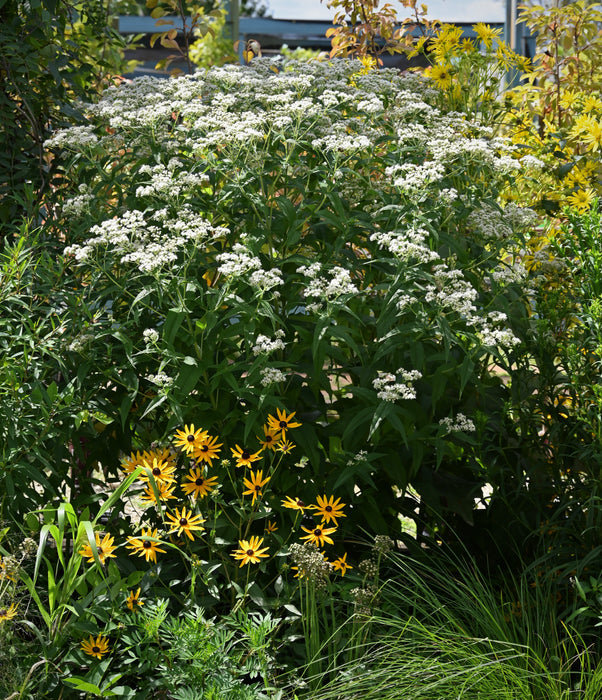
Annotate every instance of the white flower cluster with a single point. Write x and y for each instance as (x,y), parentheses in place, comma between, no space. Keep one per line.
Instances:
(388,387)
(406,245)
(142,243)
(169,181)
(266,279)
(409,176)
(332,283)
(238,262)
(160,379)
(150,336)
(342,142)
(452,291)
(266,346)
(73,138)
(459,424)
(272,375)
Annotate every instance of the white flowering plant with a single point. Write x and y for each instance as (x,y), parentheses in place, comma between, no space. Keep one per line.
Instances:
(323,240)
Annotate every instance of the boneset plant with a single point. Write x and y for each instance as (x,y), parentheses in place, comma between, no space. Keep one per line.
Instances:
(322,241)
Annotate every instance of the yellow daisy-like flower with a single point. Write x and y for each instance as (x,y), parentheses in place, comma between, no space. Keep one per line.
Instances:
(281,423)
(592,103)
(163,472)
(255,485)
(129,464)
(137,459)
(95,647)
(165,492)
(329,509)
(319,534)
(146,545)
(104,548)
(190,438)
(486,34)
(133,600)
(8,613)
(582,199)
(285,446)
(245,458)
(198,485)
(249,551)
(441,74)
(208,451)
(294,503)
(270,438)
(185,522)
(270,527)
(341,564)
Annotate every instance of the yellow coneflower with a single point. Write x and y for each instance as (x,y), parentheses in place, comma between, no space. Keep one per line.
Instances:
(250,551)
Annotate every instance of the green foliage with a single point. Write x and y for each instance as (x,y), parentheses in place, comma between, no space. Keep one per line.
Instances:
(48,59)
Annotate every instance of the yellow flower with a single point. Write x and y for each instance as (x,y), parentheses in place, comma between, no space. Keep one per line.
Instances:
(145,545)
(249,551)
(161,471)
(270,438)
(104,548)
(486,34)
(270,527)
(95,647)
(185,522)
(294,503)
(165,491)
(245,458)
(441,75)
(133,600)
(207,451)
(255,484)
(8,613)
(329,509)
(568,99)
(282,423)
(190,438)
(592,103)
(318,535)
(582,199)
(285,446)
(198,485)
(341,564)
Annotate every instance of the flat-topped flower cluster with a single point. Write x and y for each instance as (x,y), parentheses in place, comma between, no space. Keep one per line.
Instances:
(301,234)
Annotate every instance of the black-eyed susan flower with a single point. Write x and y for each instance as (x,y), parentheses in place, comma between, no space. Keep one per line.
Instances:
(133,600)
(105,548)
(341,564)
(270,527)
(270,438)
(245,458)
(255,485)
(281,423)
(285,446)
(197,484)
(163,472)
(95,647)
(8,613)
(250,551)
(319,534)
(185,522)
(129,464)
(190,438)
(329,509)
(208,451)
(294,503)
(147,545)
(164,490)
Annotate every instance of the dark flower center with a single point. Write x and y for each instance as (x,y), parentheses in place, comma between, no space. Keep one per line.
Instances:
(300,503)
(3,612)
(268,438)
(183,522)
(205,448)
(156,471)
(95,649)
(328,509)
(190,438)
(257,487)
(283,424)
(318,532)
(147,545)
(250,552)
(200,481)
(245,455)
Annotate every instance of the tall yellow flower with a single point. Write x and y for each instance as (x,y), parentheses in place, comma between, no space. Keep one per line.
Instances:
(133,600)
(329,509)
(8,613)
(486,34)
(190,438)
(95,647)
(146,545)
(185,522)
(197,484)
(250,551)
(207,451)
(244,457)
(319,534)
(282,422)
(104,548)
(255,485)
